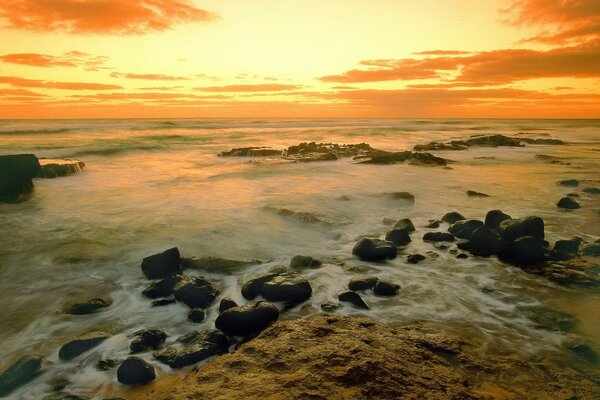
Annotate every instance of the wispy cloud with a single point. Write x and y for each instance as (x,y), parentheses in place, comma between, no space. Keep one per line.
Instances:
(33,83)
(269,87)
(70,59)
(149,77)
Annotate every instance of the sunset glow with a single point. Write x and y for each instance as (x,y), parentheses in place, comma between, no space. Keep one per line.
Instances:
(285,58)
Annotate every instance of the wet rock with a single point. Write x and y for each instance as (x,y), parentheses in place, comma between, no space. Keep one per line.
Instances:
(415,258)
(543,141)
(493,141)
(385,288)
(438,146)
(302,262)
(573,195)
(462,256)
(585,352)
(216,264)
(434,224)
(196,315)
(253,288)
(58,383)
(163,288)
(525,251)
(494,218)
(192,348)
(327,151)
(569,183)
(399,237)
(368,249)
(247,320)
(16,174)
(549,319)
(135,371)
(485,242)
(289,287)
(438,237)
(464,229)
(330,307)
(592,190)
(304,216)
(226,303)
(570,247)
(452,217)
(147,339)
(50,168)
(164,302)
(413,158)
(591,250)
(163,264)
(568,203)
(107,364)
(81,344)
(472,193)
(406,224)
(402,196)
(251,152)
(512,229)
(353,298)
(20,373)
(362,283)
(195,292)
(88,307)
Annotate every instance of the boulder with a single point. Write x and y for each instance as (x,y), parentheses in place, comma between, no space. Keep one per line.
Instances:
(226,303)
(289,287)
(494,218)
(592,190)
(147,339)
(362,283)
(567,246)
(21,372)
(464,229)
(163,288)
(406,224)
(369,249)
(525,251)
(196,315)
(89,307)
(569,203)
(192,348)
(512,229)
(573,194)
(353,298)
(16,174)
(415,258)
(399,237)
(452,217)
(135,371)
(81,344)
(302,262)
(163,264)
(592,250)
(247,320)
(438,237)
(433,224)
(195,292)
(569,183)
(472,193)
(385,288)
(253,288)
(485,242)
(493,141)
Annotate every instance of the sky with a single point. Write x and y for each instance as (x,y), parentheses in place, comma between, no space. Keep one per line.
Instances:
(300,58)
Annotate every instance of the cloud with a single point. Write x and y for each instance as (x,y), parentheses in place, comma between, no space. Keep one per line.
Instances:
(129,17)
(149,77)
(270,87)
(441,52)
(20,92)
(69,59)
(31,83)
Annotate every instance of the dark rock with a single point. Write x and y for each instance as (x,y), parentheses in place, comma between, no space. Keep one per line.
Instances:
(354,298)
(288,287)
(107,364)
(568,203)
(585,352)
(438,237)
(472,193)
(163,288)
(438,146)
(91,306)
(527,250)
(494,218)
(485,242)
(462,255)
(415,258)
(567,246)
(226,303)
(406,224)
(540,141)
(569,183)
(592,250)
(369,249)
(362,283)
(251,152)
(433,224)
(164,302)
(195,292)
(135,371)
(253,288)
(196,315)
(573,195)
(592,190)
(464,229)
(413,158)
(512,229)
(247,320)
(147,339)
(216,264)
(452,217)
(192,348)
(399,237)
(81,344)
(402,196)
(58,383)
(493,141)
(21,372)
(163,264)
(330,307)
(58,168)
(302,262)
(312,151)
(16,173)
(384,288)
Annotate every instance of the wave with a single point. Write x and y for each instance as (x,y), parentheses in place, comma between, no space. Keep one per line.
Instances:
(36,131)
(111,151)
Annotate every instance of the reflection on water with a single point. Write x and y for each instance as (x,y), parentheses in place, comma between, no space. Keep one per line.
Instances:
(152,184)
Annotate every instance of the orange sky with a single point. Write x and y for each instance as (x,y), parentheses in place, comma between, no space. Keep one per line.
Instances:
(291,58)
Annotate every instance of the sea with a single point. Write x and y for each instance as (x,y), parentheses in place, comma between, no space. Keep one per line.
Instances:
(152,184)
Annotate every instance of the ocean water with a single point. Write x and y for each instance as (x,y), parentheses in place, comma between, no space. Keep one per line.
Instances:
(153,184)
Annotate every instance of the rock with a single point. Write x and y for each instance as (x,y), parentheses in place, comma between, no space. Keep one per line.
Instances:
(452,217)
(438,237)
(415,258)
(462,256)
(353,298)
(592,250)
(20,373)
(58,383)
(549,319)
(302,262)
(433,224)
(330,307)
(388,221)
(368,249)
(464,229)
(569,183)
(195,292)
(406,224)
(81,344)
(385,288)
(512,229)
(568,203)
(288,287)
(196,315)
(163,288)
(135,371)
(485,242)
(253,288)
(247,320)
(16,174)
(437,146)
(304,216)
(162,265)
(585,352)
(592,190)
(192,348)
(306,152)
(525,251)
(494,218)
(567,246)
(573,194)
(226,303)
(413,158)
(107,364)
(53,168)
(362,283)
(216,264)
(88,307)
(147,339)
(472,193)
(399,237)
(164,302)
(493,141)
(540,141)
(402,196)
(251,152)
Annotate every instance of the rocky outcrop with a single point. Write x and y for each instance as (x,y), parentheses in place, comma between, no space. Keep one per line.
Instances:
(486,141)
(247,320)
(90,306)
(147,339)
(16,174)
(195,292)
(53,168)
(81,344)
(413,158)
(305,152)
(20,373)
(251,152)
(192,348)
(283,286)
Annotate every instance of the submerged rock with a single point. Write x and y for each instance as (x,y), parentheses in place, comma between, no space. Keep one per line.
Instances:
(302,262)
(135,371)
(566,249)
(437,146)
(353,298)
(568,203)
(362,283)
(192,348)
(438,237)
(162,264)
(20,373)
(216,264)
(89,307)
(569,183)
(415,258)
(592,190)
(195,292)
(16,174)
(81,344)
(399,237)
(472,193)
(147,339)
(163,288)
(413,158)
(452,217)
(251,152)
(369,249)
(406,224)
(385,288)
(247,320)
(402,196)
